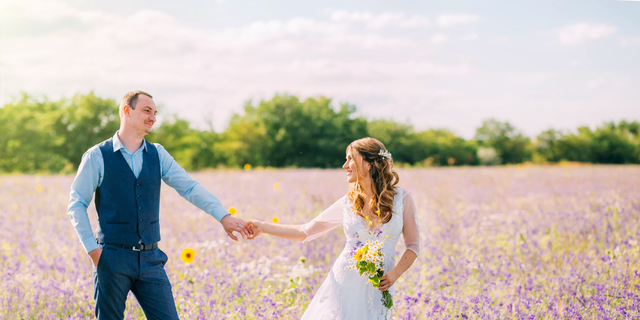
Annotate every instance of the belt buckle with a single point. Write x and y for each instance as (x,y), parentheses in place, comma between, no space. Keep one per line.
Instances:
(137,249)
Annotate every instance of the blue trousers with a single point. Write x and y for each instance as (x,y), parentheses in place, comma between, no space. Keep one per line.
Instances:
(122,270)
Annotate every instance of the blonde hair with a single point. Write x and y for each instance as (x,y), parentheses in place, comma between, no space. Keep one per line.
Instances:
(384,179)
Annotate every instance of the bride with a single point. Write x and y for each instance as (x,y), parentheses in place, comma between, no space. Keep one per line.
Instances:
(374,209)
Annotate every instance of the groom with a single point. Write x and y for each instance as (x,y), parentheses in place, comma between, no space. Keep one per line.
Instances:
(125,172)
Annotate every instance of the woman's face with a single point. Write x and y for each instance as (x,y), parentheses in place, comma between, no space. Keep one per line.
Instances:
(354,165)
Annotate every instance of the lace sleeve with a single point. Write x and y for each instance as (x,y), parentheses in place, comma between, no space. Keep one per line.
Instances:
(325,221)
(410,230)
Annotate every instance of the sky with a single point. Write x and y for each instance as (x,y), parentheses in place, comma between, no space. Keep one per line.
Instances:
(434,64)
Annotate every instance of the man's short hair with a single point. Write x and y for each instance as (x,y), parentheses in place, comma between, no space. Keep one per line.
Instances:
(130,99)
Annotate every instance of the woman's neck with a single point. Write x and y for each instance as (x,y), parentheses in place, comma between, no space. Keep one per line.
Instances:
(365,188)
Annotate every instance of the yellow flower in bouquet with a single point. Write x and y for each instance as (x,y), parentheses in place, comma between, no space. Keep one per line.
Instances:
(359,254)
(368,261)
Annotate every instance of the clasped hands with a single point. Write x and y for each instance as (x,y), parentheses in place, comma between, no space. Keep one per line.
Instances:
(249,230)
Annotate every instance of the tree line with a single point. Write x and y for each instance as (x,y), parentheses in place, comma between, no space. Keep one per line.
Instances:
(51,136)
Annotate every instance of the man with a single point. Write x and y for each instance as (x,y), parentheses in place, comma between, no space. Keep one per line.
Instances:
(125,172)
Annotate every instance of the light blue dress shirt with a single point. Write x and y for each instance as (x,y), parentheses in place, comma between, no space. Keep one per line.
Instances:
(91,172)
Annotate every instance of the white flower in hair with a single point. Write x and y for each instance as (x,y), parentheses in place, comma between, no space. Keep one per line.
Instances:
(385,154)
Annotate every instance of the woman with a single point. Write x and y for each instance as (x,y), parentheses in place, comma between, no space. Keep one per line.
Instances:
(374,209)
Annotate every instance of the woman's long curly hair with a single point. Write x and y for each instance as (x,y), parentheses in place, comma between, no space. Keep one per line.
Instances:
(384,179)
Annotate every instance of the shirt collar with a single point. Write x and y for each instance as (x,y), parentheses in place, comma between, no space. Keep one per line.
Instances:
(117,144)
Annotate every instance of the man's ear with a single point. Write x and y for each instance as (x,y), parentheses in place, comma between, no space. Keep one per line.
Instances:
(126,109)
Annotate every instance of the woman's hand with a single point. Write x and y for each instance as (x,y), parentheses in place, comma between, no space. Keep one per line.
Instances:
(387,280)
(254,226)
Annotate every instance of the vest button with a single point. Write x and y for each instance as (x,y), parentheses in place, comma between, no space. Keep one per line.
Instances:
(139,196)
(139,208)
(141,219)
(137,184)
(141,231)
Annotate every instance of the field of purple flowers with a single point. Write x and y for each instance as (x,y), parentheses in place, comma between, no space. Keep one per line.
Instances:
(497,243)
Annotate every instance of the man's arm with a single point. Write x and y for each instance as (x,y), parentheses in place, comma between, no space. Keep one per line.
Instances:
(176,177)
(84,185)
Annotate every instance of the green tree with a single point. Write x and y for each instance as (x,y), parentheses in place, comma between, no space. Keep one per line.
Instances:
(445,148)
(576,147)
(547,145)
(179,139)
(53,135)
(245,140)
(609,143)
(301,134)
(399,139)
(29,139)
(435,146)
(511,145)
(82,122)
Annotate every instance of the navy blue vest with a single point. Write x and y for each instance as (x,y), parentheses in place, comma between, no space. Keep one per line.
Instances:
(128,208)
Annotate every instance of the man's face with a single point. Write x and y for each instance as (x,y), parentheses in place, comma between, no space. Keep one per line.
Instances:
(143,117)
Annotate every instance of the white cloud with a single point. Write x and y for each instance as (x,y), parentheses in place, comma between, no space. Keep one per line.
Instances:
(48,11)
(629,41)
(448,20)
(386,64)
(367,69)
(216,70)
(503,39)
(580,32)
(470,37)
(438,38)
(531,79)
(381,20)
(594,83)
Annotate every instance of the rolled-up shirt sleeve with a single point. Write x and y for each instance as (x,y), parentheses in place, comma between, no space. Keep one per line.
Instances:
(410,229)
(326,221)
(178,178)
(84,185)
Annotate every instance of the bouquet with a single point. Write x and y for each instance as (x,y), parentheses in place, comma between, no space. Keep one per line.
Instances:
(368,261)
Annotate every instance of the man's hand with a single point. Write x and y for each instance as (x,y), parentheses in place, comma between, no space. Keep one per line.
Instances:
(95,256)
(231,224)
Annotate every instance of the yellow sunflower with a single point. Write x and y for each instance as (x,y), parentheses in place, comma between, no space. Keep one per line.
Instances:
(187,255)
(359,254)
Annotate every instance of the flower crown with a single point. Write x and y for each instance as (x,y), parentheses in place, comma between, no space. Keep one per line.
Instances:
(385,154)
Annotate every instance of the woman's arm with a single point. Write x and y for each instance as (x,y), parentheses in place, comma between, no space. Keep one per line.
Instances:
(291,232)
(321,224)
(389,278)
(411,234)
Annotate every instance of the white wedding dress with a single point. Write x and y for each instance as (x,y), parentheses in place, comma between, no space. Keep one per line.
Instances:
(346,295)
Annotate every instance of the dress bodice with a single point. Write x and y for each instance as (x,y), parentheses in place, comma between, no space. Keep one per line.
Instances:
(357,231)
